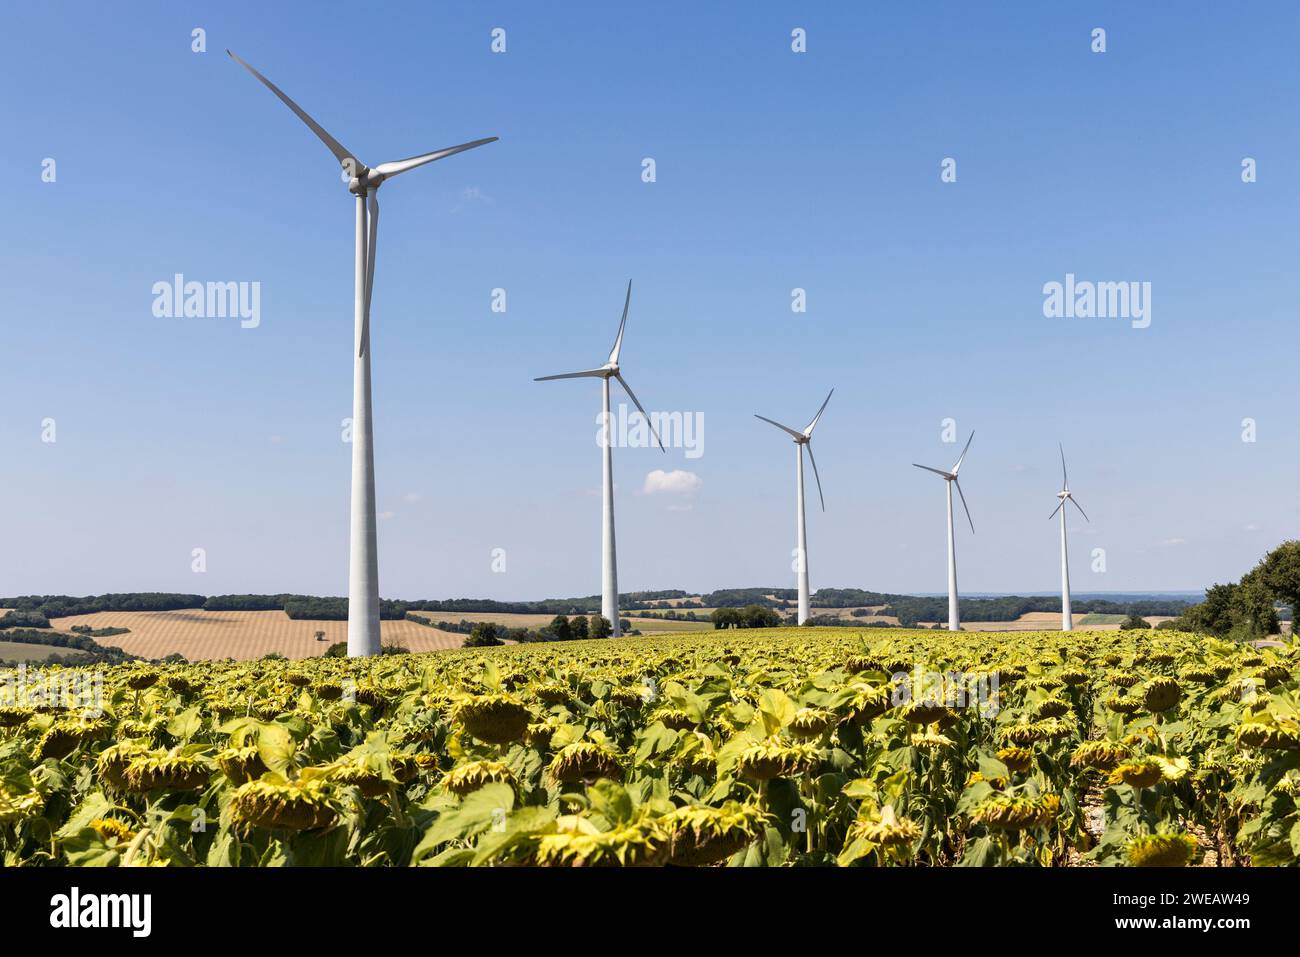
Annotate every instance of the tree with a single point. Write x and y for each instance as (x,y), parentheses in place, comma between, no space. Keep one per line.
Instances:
(1133,622)
(578,627)
(484,634)
(320,636)
(599,627)
(1279,573)
(756,616)
(725,618)
(560,628)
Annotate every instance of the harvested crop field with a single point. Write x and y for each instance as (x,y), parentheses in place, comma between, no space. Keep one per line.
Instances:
(211,635)
(21,651)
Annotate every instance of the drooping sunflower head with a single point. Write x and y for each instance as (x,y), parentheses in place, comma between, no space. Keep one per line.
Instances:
(674,719)
(14,717)
(774,758)
(1162,850)
(303,805)
(241,765)
(1269,735)
(1161,694)
(585,761)
(1099,755)
(700,835)
(1007,813)
(142,678)
(1051,708)
(576,844)
(1016,759)
(493,717)
(466,778)
(885,828)
(149,771)
(811,722)
(1122,704)
(1138,773)
(112,762)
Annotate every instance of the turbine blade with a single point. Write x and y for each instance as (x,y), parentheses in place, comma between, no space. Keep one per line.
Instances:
(589,374)
(957,468)
(1080,508)
(618,342)
(341,153)
(946,475)
(963,503)
(373,213)
(401,166)
(783,428)
(1065,479)
(812,458)
(637,402)
(1059,505)
(813,424)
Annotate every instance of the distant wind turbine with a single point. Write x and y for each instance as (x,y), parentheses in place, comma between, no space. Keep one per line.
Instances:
(950,478)
(803,440)
(608,557)
(363,182)
(1065,495)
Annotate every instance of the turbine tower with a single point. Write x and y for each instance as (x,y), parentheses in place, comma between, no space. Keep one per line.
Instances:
(803,440)
(950,479)
(363,182)
(608,552)
(1065,495)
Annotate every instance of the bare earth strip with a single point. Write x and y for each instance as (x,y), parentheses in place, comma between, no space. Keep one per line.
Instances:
(209,635)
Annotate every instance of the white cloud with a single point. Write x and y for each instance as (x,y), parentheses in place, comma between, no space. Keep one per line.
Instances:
(386,515)
(411,497)
(676,482)
(1253,527)
(1174,541)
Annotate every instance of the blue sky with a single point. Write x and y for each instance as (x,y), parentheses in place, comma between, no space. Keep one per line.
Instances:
(775,170)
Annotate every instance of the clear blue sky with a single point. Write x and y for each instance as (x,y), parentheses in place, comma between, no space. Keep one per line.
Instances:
(775,170)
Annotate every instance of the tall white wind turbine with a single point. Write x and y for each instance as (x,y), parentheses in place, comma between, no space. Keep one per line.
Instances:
(363,182)
(608,552)
(1065,495)
(803,440)
(950,479)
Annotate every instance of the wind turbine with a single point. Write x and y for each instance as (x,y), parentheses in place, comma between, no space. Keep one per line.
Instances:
(803,440)
(1065,495)
(608,556)
(950,478)
(363,182)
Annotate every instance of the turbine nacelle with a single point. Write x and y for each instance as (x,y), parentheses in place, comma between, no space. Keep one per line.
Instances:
(952,477)
(1065,494)
(611,369)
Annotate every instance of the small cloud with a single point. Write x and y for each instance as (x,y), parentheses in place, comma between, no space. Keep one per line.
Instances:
(277,439)
(1174,541)
(1253,527)
(386,515)
(676,482)
(411,497)
(471,196)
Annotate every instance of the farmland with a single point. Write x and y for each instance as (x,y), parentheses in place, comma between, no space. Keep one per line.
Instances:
(214,635)
(760,748)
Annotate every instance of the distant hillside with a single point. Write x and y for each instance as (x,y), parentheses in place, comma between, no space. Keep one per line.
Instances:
(35,611)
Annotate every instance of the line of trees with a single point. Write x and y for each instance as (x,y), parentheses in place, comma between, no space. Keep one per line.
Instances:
(750,616)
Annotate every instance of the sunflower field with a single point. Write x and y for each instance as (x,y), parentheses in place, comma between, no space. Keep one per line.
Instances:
(778,747)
